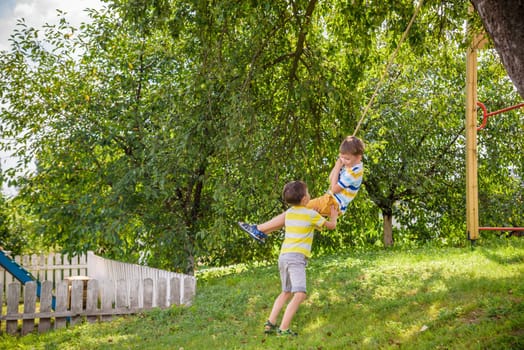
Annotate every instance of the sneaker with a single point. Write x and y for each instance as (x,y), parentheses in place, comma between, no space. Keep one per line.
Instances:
(253,231)
(287,332)
(270,327)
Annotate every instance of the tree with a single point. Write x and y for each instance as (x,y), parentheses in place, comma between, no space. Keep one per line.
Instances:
(159,125)
(503,22)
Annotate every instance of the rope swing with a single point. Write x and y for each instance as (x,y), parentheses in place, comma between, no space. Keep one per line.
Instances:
(390,62)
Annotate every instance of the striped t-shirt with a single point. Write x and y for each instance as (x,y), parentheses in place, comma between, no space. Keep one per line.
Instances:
(350,181)
(301,223)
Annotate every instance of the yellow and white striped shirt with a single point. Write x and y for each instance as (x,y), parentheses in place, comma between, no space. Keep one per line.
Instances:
(301,223)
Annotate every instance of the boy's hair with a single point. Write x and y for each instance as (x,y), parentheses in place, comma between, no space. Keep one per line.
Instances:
(294,191)
(352,145)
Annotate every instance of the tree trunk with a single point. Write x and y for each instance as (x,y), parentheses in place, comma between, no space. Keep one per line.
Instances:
(388,230)
(504,22)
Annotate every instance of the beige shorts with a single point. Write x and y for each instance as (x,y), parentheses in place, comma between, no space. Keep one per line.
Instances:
(292,267)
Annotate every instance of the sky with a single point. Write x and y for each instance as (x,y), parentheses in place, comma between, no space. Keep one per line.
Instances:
(36,13)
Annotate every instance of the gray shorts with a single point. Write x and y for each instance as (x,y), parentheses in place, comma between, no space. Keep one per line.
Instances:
(292,267)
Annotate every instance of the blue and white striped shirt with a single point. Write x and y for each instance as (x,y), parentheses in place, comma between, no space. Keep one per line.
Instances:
(350,181)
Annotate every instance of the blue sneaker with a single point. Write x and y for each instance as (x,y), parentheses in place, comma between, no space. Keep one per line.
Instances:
(253,231)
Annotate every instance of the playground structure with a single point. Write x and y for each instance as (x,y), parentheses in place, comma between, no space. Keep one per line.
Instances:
(472,212)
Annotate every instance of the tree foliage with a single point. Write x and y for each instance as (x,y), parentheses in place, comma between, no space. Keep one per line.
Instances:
(161,123)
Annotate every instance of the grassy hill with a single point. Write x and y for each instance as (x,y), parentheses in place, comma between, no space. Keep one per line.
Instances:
(424,298)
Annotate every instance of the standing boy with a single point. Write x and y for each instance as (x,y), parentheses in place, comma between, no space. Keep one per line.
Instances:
(345,179)
(300,223)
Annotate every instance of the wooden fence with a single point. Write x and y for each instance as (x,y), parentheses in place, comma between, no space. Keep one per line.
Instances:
(51,267)
(86,287)
(56,268)
(77,300)
(106,269)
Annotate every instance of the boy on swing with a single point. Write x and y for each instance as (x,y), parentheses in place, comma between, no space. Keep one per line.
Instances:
(344,182)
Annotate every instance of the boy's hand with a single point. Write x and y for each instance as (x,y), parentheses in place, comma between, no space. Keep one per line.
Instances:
(334,213)
(332,223)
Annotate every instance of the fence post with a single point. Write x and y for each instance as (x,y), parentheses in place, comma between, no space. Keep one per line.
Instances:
(62,298)
(189,290)
(134,293)
(28,325)
(108,297)
(148,293)
(121,294)
(161,293)
(174,289)
(92,299)
(13,298)
(1,303)
(77,300)
(46,297)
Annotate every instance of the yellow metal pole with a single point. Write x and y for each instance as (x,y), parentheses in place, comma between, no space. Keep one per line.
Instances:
(472,216)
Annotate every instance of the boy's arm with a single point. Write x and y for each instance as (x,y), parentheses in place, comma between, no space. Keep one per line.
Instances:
(333,177)
(332,223)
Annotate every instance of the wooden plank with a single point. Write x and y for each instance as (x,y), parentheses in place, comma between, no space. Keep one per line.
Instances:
(148,294)
(121,294)
(62,301)
(58,273)
(50,276)
(108,298)
(174,291)
(46,297)
(161,295)
(134,294)
(77,300)
(13,299)
(1,304)
(29,307)
(66,266)
(82,263)
(92,300)
(34,266)
(189,290)
(67,314)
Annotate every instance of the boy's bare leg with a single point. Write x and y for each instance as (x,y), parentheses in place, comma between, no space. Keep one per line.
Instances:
(273,224)
(279,303)
(291,310)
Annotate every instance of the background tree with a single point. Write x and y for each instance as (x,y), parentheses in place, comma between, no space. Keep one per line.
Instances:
(159,125)
(503,22)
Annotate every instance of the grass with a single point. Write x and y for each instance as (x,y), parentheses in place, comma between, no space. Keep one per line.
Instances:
(424,298)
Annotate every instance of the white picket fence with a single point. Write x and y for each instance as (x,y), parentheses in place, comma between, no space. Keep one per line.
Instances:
(89,287)
(51,267)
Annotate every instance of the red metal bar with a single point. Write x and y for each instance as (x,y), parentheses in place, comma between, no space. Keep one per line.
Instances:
(486,114)
(501,228)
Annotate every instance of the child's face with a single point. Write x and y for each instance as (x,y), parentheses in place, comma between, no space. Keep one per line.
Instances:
(349,159)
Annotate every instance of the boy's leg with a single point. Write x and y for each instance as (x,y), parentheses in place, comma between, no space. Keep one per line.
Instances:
(279,303)
(291,310)
(276,223)
(295,265)
(259,232)
(322,204)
